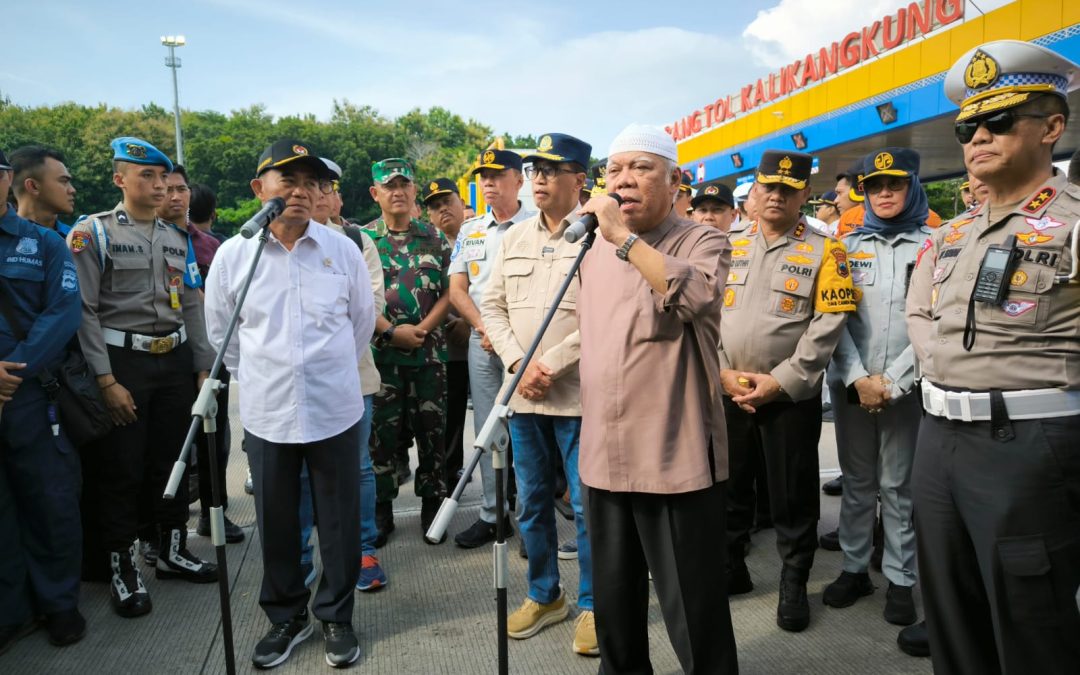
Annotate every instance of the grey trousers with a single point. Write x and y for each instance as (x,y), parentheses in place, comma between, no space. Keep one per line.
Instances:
(876,452)
(485,380)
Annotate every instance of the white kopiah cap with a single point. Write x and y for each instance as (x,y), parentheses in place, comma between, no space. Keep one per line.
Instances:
(645,138)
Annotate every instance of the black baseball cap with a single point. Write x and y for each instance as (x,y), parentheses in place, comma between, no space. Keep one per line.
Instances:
(290,151)
(437,188)
(715,190)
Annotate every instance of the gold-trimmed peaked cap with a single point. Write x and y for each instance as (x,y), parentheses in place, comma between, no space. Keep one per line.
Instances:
(1006,73)
(438,188)
(784,167)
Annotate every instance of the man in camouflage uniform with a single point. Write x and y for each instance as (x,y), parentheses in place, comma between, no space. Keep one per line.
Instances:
(410,347)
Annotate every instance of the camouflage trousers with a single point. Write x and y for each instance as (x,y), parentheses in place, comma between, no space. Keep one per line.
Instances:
(412,398)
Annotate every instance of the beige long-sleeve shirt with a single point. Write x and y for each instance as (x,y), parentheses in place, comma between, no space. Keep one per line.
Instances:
(785,306)
(370,380)
(652,417)
(529,268)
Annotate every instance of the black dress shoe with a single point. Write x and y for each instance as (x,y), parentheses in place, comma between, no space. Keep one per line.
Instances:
(65,628)
(233,533)
(739,582)
(830,541)
(480,533)
(834,487)
(914,640)
(793,610)
(899,605)
(848,588)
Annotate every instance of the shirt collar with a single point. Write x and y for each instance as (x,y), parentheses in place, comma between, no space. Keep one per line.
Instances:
(522,214)
(9,222)
(563,224)
(657,233)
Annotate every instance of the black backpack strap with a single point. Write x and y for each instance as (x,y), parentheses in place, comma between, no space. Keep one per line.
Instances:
(353,232)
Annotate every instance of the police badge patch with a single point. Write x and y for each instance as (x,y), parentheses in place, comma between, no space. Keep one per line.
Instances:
(27,246)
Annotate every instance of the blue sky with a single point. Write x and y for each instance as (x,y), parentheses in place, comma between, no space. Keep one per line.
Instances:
(585,68)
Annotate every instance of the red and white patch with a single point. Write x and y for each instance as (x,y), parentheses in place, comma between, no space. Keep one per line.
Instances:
(1017,307)
(923,249)
(1044,223)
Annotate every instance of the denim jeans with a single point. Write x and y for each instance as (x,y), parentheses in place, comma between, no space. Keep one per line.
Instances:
(536,439)
(368,531)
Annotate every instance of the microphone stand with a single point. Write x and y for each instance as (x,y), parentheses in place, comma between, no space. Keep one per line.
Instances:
(494,437)
(204,413)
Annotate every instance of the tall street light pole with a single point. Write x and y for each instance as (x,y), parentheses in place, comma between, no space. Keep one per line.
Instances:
(172,62)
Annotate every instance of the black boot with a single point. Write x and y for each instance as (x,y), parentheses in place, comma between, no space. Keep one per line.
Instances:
(793,611)
(914,640)
(129,597)
(428,510)
(848,588)
(384,522)
(738,577)
(899,605)
(177,562)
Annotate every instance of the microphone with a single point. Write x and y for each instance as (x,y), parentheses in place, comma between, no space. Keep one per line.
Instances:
(266,215)
(587,224)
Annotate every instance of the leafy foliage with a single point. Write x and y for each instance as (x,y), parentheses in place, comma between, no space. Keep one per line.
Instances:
(221,150)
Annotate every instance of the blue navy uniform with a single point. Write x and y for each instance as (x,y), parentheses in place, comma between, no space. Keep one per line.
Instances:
(39,470)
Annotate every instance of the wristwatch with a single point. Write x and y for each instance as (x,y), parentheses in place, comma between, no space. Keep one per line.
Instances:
(623,252)
(383,338)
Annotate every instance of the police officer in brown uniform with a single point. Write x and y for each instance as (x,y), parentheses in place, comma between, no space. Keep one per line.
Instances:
(994,316)
(787,295)
(144,336)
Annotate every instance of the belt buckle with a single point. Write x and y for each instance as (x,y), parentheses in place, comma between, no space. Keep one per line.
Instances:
(937,402)
(161,345)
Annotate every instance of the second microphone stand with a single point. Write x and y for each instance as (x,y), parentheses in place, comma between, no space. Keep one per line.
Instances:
(494,437)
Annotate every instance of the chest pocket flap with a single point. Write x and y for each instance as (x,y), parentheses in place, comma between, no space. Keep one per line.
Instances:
(517,272)
(131,274)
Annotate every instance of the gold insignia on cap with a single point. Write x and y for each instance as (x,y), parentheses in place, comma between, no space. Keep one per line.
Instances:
(489,157)
(883,161)
(545,144)
(712,190)
(785,166)
(433,187)
(982,70)
(137,151)
(299,150)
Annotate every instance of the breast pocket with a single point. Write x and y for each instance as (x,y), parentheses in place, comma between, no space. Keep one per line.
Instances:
(1026,301)
(174,273)
(325,296)
(518,273)
(131,274)
(790,296)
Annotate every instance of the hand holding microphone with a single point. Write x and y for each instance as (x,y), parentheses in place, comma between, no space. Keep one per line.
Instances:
(588,222)
(266,215)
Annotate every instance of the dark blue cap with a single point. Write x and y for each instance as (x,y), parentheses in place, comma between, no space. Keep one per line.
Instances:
(138,151)
(825,198)
(562,148)
(498,160)
(714,189)
(902,162)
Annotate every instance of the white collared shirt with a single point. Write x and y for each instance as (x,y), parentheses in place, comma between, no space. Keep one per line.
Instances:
(307,320)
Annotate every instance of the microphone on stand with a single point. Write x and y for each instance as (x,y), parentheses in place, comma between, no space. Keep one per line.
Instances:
(266,215)
(577,230)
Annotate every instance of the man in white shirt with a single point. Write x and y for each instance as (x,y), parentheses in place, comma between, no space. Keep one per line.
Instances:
(308,315)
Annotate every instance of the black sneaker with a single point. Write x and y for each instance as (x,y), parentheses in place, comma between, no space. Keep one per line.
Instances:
(279,641)
(830,541)
(480,533)
(342,648)
(793,611)
(65,628)
(177,562)
(428,510)
(233,533)
(834,487)
(739,582)
(848,587)
(899,605)
(914,640)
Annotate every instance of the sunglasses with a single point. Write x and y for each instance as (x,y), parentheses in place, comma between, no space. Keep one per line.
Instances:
(998,124)
(892,183)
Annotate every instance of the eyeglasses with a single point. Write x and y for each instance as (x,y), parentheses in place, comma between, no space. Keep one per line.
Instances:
(998,124)
(892,183)
(548,171)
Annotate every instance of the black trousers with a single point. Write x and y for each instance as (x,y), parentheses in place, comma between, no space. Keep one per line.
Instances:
(222,443)
(999,545)
(39,511)
(136,459)
(787,434)
(334,471)
(676,537)
(457,398)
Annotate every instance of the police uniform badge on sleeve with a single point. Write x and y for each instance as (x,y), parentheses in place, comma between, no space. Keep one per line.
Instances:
(79,241)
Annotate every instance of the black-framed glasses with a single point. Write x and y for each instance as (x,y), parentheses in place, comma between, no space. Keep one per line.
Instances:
(998,124)
(892,183)
(548,171)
